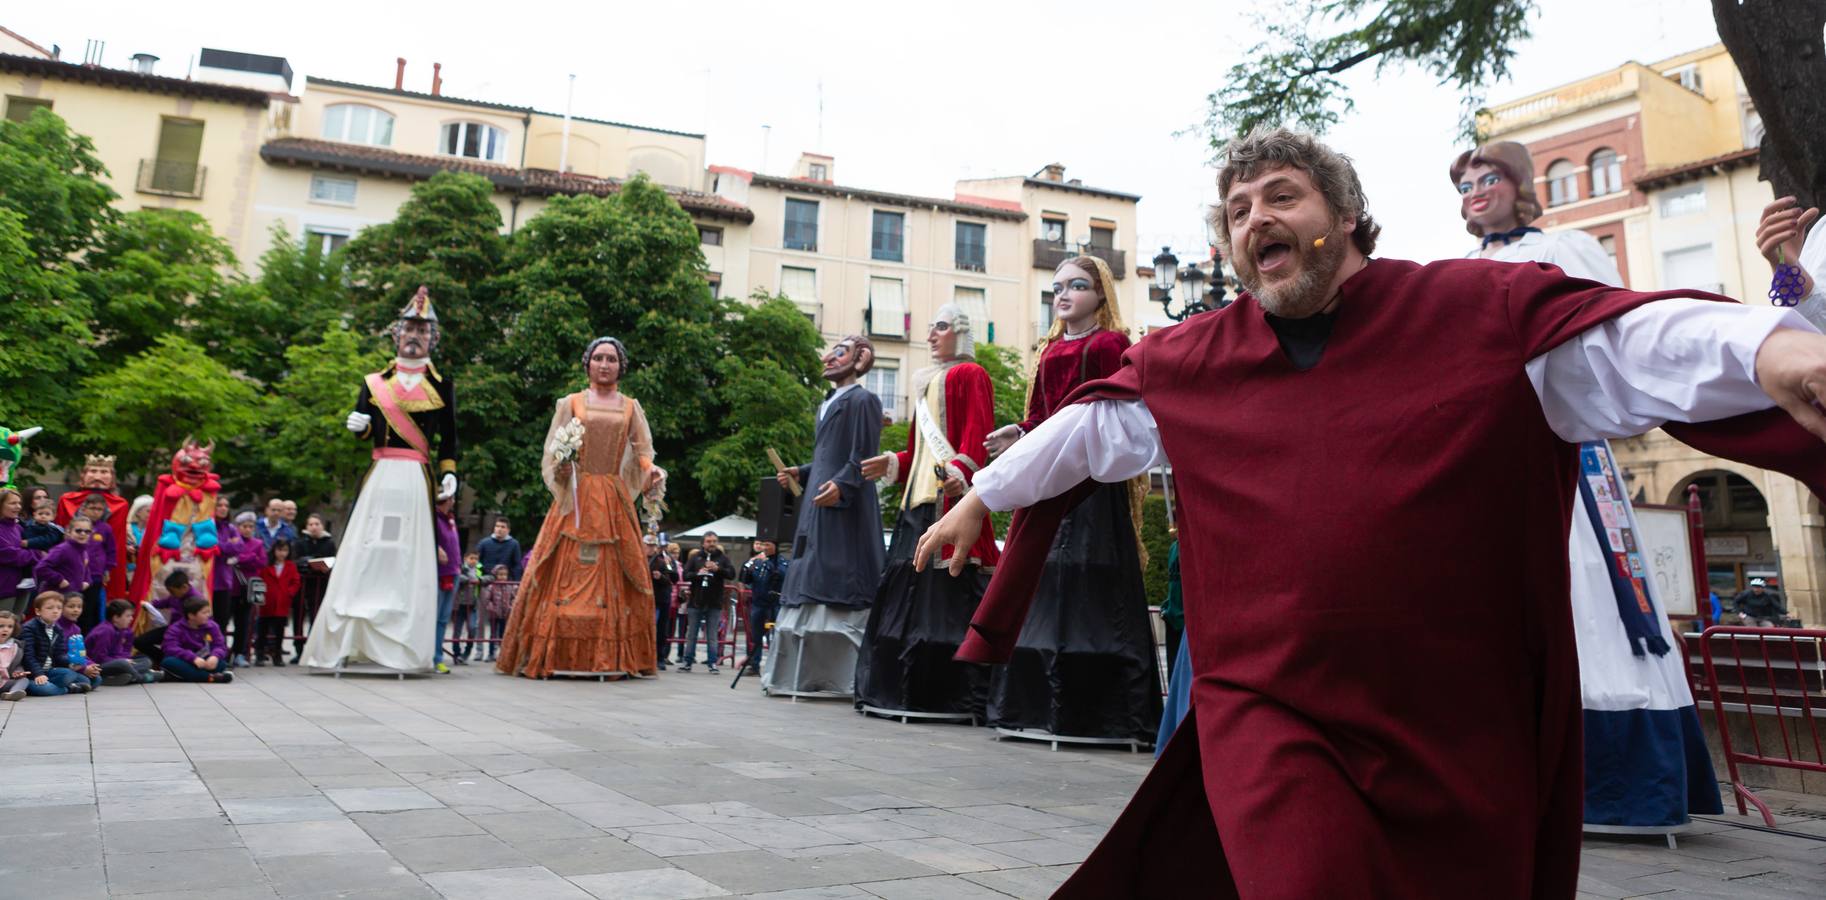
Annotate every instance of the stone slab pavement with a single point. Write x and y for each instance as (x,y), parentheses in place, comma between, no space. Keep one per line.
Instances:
(480,786)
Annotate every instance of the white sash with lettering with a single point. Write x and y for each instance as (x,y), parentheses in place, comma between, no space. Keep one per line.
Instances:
(930,430)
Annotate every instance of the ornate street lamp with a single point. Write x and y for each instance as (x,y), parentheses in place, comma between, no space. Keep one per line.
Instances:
(1166,266)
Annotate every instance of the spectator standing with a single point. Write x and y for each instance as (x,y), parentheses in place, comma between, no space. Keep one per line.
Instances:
(137,515)
(1760,606)
(245,556)
(281,577)
(110,645)
(500,547)
(664,576)
(465,611)
(45,651)
(497,605)
(43,532)
(316,549)
(1173,609)
(764,574)
(707,572)
(66,566)
(449,559)
(13,678)
(16,561)
(289,510)
(102,556)
(194,647)
(274,525)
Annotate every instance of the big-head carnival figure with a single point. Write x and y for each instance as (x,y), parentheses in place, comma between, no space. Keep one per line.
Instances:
(381,604)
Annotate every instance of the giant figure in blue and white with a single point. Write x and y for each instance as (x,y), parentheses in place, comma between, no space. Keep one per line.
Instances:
(837,550)
(1646,763)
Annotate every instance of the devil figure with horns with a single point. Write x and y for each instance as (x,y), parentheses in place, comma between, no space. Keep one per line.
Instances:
(181,530)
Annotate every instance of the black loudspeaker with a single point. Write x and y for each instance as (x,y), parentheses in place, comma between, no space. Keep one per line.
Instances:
(779,517)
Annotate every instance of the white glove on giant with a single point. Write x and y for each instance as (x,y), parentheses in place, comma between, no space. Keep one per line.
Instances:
(447,487)
(358,422)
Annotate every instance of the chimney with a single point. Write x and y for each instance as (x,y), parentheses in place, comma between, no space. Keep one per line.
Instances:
(437,80)
(142,62)
(1051,172)
(399,74)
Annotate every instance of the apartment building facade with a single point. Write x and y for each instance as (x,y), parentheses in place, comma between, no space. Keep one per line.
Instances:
(1658,161)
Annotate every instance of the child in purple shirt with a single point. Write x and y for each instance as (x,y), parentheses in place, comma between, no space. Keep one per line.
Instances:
(193,647)
(170,608)
(101,557)
(66,567)
(111,646)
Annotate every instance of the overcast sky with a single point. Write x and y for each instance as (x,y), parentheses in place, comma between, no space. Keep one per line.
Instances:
(912,98)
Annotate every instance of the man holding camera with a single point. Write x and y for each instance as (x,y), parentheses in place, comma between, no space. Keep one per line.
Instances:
(706,573)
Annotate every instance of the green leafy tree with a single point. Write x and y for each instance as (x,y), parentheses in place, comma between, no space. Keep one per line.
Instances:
(142,409)
(769,381)
(155,272)
(312,457)
(306,288)
(626,265)
(46,345)
(52,176)
(447,237)
(1292,76)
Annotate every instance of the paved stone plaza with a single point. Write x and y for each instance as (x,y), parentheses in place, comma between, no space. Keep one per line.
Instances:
(479,786)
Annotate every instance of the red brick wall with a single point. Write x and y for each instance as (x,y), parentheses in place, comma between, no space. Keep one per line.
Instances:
(1623,135)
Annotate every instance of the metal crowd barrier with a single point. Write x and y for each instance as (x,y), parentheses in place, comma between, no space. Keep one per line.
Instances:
(1773,680)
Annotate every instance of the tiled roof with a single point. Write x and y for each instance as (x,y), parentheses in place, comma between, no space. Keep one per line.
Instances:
(990,201)
(133,81)
(535,182)
(1672,175)
(888,199)
(26,41)
(1081,189)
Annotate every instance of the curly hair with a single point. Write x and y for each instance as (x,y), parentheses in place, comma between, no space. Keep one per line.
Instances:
(1267,148)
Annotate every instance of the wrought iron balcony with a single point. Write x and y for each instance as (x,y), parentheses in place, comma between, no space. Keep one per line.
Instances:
(170,177)
(1049,254)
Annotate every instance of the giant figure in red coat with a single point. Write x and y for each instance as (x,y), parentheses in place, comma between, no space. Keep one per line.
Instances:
(1350,737)
(917,620)
(98,479)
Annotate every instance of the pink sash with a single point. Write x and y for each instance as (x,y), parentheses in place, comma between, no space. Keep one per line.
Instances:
(397,419)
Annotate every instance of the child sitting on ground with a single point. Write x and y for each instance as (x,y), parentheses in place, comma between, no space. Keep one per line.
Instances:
(46,651)
(161,612)
(42,533)
(110,645)
(72,612)
(12,662)
(193,646)
(498,604)
(281,579)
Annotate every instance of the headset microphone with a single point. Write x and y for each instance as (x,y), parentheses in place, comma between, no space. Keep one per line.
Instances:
(1320,240)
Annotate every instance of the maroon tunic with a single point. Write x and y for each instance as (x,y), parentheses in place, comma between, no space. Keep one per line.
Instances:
(1355,736)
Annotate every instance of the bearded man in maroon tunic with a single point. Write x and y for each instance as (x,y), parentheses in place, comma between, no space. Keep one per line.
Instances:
(1346,422)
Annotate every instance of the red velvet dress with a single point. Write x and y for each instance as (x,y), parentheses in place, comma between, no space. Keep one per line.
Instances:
(1084,665)
(1356,737)
(919,618)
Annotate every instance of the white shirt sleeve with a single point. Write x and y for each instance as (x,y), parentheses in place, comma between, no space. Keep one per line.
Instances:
(1580,255)
(1679,360)
(1813,259)
(1108,440)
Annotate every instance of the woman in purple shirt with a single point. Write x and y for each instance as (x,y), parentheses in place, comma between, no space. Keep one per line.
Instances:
(16,562)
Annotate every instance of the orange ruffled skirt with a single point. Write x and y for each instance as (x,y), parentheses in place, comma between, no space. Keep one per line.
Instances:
(585,603)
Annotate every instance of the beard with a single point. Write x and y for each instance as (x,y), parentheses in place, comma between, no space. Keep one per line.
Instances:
(1308,290)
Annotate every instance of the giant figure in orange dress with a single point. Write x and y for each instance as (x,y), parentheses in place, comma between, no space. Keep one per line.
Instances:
(586,604)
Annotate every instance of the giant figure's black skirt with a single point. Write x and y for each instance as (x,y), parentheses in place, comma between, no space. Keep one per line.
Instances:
(916,624)
(1084,665)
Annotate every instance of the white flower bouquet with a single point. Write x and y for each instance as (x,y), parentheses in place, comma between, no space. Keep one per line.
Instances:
(564,446)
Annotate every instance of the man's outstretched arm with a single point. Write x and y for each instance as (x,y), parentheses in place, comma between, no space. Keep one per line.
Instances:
(1101,440)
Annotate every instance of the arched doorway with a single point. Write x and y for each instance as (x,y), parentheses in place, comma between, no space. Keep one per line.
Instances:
(1739,544)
